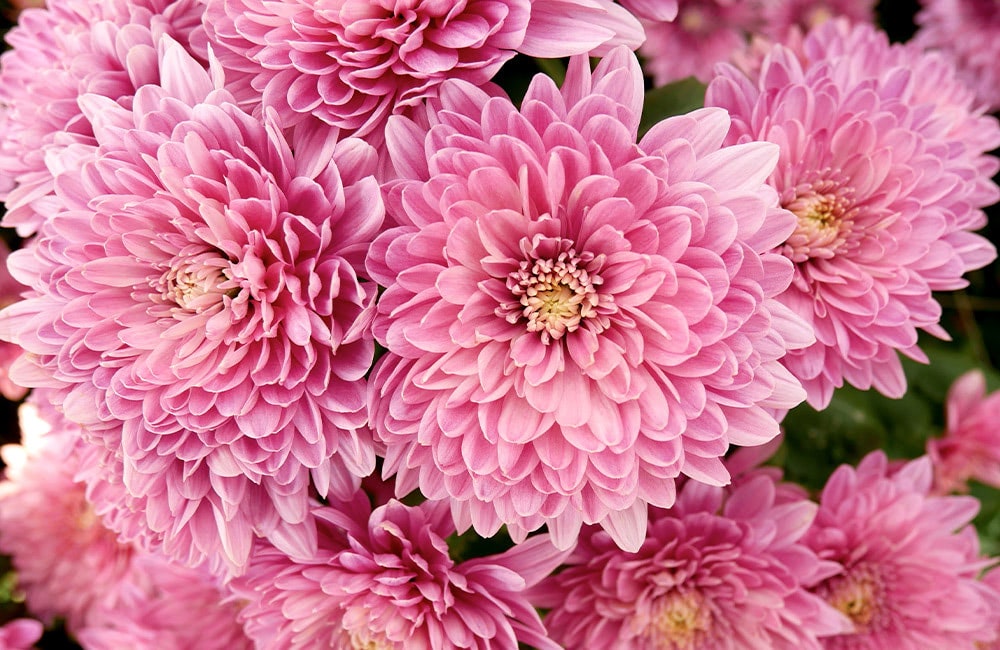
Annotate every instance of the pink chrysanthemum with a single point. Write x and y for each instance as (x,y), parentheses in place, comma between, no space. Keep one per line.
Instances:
(352,63)
(970,448)
(67,562)
(197,306)
(162,606)
(703,33)
(574,319)
(383,579)
(20,634)
(882,164)
(910,560)
(57,55)
(721,570)
(779,17)
(968,32)
(10,292)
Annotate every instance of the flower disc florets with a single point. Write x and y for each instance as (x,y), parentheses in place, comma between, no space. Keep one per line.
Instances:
(574,319)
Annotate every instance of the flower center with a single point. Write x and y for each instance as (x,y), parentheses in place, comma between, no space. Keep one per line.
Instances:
(197,281)
(363,639)
(694,20)
(825,214)
(817,16)
(554,289)
(857,594)
(679,620)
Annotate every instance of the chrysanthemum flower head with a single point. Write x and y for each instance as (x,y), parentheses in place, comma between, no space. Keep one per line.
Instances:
(723,569)
(970,447)
(968,33)
(882,163)
(352,63)
(67,562)
(574,319)
(780,17)
(703,33)
(160,605)
(196,304)
(910,560)
(58,54)
(383,578)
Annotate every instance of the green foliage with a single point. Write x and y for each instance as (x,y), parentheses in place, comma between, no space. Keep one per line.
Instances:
(676,98)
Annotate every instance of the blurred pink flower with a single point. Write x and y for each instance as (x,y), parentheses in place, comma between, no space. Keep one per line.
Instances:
(780,17)
(968,32)
(724,569)
(383,579)
(574,319)
(20,634)
(67,563)
(196,304)
(910,560)
(352,63)
(970,448)
(162,606)
(10,292)
(704,32)
(57,55)
(882,164)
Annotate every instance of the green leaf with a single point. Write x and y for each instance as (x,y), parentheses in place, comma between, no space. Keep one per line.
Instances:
(817,442)
(555,68)
(673,99)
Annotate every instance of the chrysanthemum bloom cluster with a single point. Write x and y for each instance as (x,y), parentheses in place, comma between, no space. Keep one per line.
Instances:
(382,578)
(724,569)
(196,305)
(574,319)
(58,54)
(970,448)
(66,561)
(886,175)
(910,561)
(20,634)
(160,605)
(353,63)
(968,32)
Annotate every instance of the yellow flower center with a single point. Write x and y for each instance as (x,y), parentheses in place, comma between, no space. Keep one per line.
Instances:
(825,215)
(858,595)
(554,294)
(679,621)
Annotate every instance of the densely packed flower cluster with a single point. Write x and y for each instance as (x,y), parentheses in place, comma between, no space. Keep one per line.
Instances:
(333,330)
